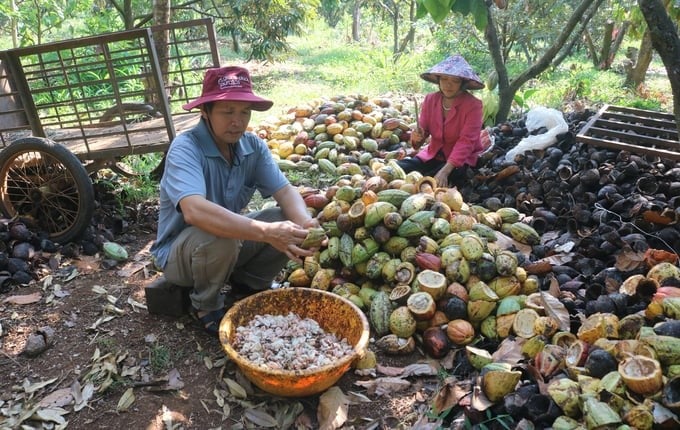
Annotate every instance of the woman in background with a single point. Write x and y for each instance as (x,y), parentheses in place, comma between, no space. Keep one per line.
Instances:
(451,119)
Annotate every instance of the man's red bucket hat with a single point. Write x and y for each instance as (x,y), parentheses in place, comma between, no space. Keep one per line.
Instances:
(231,83)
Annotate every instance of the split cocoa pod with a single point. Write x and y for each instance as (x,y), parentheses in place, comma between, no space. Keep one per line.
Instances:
(499,380)
(314,239)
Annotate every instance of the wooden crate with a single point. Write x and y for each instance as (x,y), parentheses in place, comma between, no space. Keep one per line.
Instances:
(638,131)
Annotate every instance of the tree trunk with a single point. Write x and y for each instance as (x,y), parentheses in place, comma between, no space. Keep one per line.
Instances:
(591,48)
(618,40)
(161,16)
(606,45)
(128,17)
(356,20)
(635,76)
(666,42)
(236,45)
(395,28)
(14,24)
(506,88)
(125,12)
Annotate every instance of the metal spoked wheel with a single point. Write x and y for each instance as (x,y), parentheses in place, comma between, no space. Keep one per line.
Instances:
(45,182)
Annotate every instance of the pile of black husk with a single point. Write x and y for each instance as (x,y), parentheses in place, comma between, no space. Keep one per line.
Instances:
(27,254)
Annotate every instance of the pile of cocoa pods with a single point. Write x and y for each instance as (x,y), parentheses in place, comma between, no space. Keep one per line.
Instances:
(567,255)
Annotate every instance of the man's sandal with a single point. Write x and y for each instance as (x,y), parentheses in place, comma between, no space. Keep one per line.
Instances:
(210,322)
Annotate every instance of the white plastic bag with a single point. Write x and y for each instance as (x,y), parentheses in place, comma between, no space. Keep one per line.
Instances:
(538,117)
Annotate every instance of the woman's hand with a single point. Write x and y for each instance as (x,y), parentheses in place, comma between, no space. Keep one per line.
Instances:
(442,176)
(442,179)
(417,138)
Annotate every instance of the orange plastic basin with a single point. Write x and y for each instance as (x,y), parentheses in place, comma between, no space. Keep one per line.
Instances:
(334,314)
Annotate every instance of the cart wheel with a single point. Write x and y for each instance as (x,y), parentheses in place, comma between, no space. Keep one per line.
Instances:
(45,182)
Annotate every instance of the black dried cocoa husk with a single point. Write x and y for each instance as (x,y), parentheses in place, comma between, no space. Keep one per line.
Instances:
(6,282)
(108,263)
(21,277)
(595,290)
(620,303)
(516,402)
(16,265)
(542,410)
(48,245)
(602,304)
(70,250)
(19,231)
(599,363)
(668,328)
(23,250)
(89,248)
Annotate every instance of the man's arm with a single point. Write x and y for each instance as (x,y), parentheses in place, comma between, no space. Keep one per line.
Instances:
(294,207)
(214,219)
(285,236)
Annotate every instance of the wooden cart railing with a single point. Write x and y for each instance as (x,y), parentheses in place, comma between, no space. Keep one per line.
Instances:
(69,108)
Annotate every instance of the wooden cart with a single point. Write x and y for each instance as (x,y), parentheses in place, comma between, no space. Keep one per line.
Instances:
(71,108)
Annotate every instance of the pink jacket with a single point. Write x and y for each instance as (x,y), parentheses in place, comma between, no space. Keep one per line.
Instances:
(457,136)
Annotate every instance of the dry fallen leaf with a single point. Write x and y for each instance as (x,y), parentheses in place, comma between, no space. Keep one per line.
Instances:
(333,409)
(260,418)
(389,370)
(420,369)
(25,299)
(356,398)
(555,309)
(208,362)
(479,400)
(98,289)
(509,351)
(87,264)
(450,394)
(628,260)
(304,421)
(135,304)
(81,396)
(55,415)
(219,397)
(58,398)
(32,388)
(504,241)
(384,386)
(126,400)
(235,388)
(175,380)
(101,321)
(286,413)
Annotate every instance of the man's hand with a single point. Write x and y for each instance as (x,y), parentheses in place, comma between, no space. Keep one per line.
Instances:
(286,237)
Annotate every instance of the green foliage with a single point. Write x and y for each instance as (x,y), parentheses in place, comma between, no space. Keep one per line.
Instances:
(333,11)
(522,98)
(489,106)
(492,421)
(160,358)
(263,26)
(106,343)
(440,9)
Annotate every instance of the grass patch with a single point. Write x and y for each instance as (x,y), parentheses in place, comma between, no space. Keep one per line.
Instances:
(160,358)
(106,343)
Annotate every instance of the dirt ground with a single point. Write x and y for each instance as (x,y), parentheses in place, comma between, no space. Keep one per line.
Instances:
(109,363)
